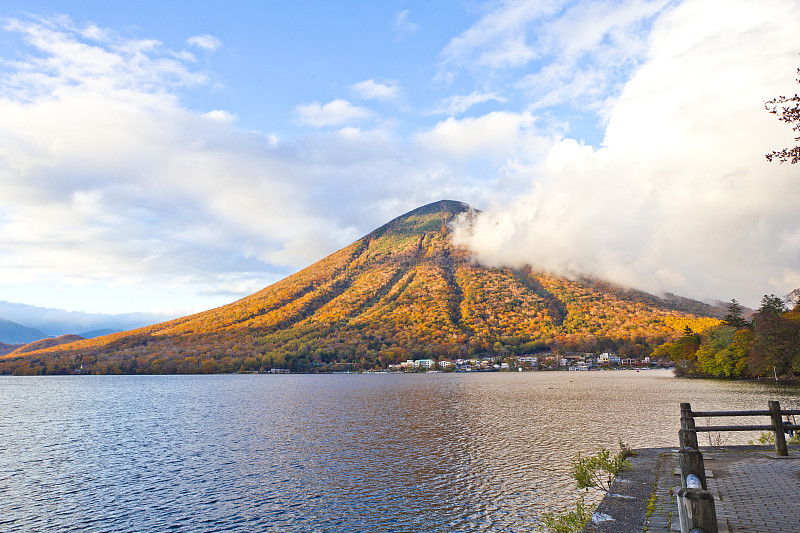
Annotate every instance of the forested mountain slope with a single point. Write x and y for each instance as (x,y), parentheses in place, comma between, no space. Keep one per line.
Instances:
(403,291)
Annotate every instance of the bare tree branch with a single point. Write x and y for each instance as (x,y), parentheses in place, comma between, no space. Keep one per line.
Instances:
(787,109)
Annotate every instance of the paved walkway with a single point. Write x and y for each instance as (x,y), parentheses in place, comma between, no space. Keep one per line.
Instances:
(754,490)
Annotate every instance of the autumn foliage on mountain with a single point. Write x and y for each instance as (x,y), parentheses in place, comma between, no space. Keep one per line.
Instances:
(403,291)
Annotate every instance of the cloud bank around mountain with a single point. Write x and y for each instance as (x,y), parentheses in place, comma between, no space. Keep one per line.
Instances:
(679,197)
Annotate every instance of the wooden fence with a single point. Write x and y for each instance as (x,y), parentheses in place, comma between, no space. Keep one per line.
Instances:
(696,510)
(777,424)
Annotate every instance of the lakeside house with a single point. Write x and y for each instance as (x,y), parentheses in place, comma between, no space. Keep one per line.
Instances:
(606,358)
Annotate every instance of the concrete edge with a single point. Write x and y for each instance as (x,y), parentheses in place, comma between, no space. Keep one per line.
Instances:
(626,503)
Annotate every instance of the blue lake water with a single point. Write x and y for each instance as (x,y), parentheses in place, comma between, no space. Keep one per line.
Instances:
(384,453)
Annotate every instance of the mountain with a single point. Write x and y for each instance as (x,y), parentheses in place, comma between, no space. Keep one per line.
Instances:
(13,333)
(403,291)
(54,322)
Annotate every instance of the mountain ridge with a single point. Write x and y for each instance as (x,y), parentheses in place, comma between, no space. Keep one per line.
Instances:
(401,291)
(49,342)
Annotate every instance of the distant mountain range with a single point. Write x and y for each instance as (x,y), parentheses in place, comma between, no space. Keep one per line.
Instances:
(20,323)
(13,333)
(403,291)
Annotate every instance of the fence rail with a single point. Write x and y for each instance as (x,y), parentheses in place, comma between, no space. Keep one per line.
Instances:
(708,429)
(777,425)
(742,413)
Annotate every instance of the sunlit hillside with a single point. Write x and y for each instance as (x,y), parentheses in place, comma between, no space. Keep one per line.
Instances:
(403,291)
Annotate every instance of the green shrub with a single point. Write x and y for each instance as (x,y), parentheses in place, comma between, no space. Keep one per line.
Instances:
(769,438)
(595,472)
(569,521)
(598,471)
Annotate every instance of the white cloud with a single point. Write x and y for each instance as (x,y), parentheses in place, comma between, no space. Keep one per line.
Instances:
(204,42)
(499,134)
(335,113)
(221,115)
(498,39)
(107,63)
(574,52)
(680,197)
(402,26)
(373,90)
(457,104)
(595,49)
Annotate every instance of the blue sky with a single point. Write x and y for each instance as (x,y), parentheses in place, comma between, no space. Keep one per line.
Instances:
(172,157)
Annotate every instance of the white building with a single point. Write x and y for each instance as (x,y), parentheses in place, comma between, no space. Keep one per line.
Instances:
(608,359)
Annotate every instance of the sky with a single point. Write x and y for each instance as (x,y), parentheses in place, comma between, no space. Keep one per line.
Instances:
(167,158)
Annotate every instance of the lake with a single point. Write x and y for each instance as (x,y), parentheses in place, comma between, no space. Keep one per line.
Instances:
(309,453)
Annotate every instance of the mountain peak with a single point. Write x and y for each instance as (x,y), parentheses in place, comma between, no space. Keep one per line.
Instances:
(441,207)
(430,217)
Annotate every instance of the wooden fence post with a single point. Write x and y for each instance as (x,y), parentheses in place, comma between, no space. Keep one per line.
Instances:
(687,433)
(777,425)
(687,418)
(696,510)
(688,438)
(691,462)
